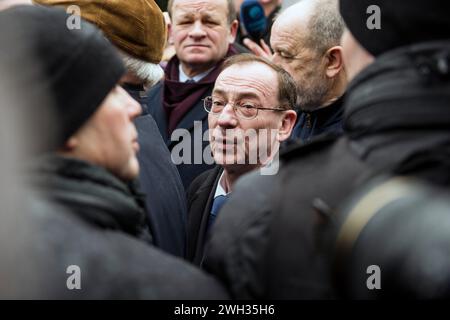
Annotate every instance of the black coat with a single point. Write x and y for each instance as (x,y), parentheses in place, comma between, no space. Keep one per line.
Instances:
(200,196)
(271,240)
(188,172)
(161,183)
(93,223)
(325,120)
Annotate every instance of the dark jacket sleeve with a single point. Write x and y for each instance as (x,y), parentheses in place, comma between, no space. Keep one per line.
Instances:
(234,252)
(113,265)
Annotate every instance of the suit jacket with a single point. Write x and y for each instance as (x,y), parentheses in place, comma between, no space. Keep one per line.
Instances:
(188,171)
(200,198)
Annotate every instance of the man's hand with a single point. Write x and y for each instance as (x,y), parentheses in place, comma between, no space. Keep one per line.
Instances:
(262,50)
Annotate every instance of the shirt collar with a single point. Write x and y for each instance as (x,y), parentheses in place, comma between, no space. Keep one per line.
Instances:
(220,191)
(183,77)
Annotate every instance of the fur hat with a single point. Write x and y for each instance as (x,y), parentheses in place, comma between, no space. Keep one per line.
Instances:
(137,27)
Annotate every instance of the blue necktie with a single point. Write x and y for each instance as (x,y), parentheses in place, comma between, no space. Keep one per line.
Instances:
(190,81)
(218,202)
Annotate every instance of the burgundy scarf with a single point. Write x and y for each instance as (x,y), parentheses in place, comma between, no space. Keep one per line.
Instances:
(179,97)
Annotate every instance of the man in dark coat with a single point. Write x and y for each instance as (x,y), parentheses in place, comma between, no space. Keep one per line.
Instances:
(137,29)
(91,224)
(202,33)
(270,240)
(263,95)
(313,56)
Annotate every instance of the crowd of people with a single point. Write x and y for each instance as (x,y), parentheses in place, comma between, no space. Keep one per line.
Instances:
(313,164)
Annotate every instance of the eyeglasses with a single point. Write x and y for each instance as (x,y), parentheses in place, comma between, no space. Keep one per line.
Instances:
(243,110)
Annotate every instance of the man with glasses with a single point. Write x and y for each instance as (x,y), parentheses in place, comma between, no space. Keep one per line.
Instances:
(250,114)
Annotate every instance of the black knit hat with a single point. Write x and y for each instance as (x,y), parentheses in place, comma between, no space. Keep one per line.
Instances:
(79,67)
(402,22)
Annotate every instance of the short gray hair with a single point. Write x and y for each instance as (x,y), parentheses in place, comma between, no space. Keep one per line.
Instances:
(325,26)
(148,72)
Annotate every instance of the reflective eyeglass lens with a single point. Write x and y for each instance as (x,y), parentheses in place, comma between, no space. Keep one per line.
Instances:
(246,112)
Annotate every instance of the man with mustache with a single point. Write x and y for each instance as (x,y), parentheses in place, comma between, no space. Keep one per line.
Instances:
(250,114)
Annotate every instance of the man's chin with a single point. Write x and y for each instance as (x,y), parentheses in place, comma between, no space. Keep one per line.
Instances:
(225,161)
(132,170)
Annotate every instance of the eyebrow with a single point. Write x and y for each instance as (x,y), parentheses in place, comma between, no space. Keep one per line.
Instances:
(190,15)
(241,95)
(186,15)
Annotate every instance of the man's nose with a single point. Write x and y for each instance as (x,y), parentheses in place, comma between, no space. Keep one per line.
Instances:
(228,118)
(198,30)
(134,108)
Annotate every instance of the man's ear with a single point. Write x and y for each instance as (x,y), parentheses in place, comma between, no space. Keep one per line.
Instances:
(169,33)
(334,61)
(233,31)
(287,124)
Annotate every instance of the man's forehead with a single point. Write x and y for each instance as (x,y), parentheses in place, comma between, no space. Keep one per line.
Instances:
(181,7)
(255,78)
(294,20)
(283,36)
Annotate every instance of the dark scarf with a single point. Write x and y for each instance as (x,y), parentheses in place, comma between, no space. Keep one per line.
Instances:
(92,193)
(180,97)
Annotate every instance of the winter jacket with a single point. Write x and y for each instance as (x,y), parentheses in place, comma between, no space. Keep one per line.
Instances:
(91,226)
(271,239)
(327,120)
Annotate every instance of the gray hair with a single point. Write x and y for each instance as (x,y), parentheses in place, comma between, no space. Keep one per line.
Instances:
(148,72)
(325,26)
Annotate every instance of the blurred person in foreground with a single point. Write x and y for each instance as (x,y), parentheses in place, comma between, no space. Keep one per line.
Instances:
(396,116)
(250,114)
(98,223)
(396,245)
(137,29)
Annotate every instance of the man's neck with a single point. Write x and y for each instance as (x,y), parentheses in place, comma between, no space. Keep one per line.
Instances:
(333,96)
(191,71)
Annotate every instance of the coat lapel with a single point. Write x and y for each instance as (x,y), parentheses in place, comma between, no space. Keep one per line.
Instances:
(199,214)
(154,105)
(197,113)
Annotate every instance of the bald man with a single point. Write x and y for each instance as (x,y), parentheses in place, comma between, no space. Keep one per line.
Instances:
(313,56)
